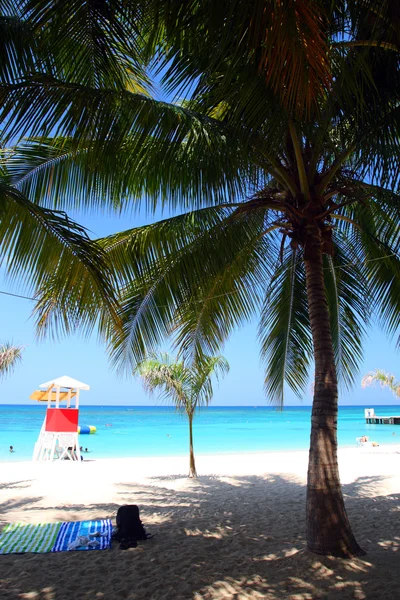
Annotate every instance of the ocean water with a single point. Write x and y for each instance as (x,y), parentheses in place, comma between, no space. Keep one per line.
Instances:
(161,431)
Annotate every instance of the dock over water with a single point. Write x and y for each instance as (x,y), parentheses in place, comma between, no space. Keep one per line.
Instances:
(373,419)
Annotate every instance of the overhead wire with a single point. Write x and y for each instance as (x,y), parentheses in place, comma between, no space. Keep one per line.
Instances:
(231,293)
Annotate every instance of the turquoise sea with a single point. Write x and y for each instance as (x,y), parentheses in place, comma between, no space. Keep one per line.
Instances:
(161,431)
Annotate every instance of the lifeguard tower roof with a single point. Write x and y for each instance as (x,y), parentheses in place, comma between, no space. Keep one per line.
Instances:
(66,382)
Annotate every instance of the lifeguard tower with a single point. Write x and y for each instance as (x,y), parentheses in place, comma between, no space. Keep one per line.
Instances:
(58,438)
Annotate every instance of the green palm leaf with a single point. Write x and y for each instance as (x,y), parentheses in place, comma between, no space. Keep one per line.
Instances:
(384,379)
(195,275)
(284,330)
(202,377)
(199,41)
(56,172)
(10,357)
(95,43)
(64,268)
(163,265)
(378,238)
(349,302)
(18,45)
(52,173)
(229,293)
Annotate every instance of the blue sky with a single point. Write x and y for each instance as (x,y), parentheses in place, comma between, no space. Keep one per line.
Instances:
(87,361)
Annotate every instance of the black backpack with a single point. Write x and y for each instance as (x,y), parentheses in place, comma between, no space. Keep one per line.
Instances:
(129,526)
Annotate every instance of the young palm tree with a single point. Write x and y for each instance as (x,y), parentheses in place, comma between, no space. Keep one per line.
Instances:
(187,387)
(292,208)
(384,379)
(10,357)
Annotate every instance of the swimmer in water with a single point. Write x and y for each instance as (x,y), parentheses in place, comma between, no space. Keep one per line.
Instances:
(11,448)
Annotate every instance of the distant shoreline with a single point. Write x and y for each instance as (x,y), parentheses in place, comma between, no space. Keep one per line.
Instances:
(211,406)
(221,457)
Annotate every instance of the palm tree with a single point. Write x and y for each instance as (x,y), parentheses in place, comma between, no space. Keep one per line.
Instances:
(384,379)
(10,356)
(307,236)
(291,205)
(187,387)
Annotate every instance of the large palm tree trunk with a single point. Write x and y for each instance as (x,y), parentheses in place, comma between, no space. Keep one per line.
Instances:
(192,464)
(328,527)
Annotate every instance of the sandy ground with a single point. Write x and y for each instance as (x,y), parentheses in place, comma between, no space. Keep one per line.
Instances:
(238,532)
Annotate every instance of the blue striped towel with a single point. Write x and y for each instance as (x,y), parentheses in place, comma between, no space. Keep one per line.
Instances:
(84,535)
(56,537)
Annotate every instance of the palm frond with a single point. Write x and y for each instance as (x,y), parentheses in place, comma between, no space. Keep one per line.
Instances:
(384,379)
(99,44)
(10,357)
(202,371)
(202,165)
(379,241)
(348,302)
(227,296)
(209,259)
(52,173)
(284,330)
(45,105)
(187,386)
(199,41)
(148,262)
(171,379)
(55,258)
(18,46)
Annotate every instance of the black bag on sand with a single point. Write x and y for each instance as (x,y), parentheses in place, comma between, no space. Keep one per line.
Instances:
(129,527)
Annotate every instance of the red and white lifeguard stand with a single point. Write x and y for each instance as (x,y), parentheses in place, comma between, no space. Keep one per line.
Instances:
(58,438)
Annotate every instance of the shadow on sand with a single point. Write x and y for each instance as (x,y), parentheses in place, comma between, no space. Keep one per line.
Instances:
(219,537)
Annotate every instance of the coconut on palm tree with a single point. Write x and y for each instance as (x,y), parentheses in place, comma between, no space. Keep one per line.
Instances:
(290,205)
(386,380)
(187,387)
(10,357)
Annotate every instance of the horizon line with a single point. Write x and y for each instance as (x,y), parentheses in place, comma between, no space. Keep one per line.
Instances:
(200,407)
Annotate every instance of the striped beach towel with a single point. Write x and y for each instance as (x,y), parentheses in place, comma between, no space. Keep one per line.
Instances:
(18,537)
(56,537)
(94,535)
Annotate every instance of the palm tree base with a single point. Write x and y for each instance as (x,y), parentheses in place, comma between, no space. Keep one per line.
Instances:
(339,553)
(328,528)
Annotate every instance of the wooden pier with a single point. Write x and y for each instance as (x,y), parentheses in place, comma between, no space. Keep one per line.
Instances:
(375,420)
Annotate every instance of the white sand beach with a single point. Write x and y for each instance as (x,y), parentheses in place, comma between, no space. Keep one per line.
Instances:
(237,532)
